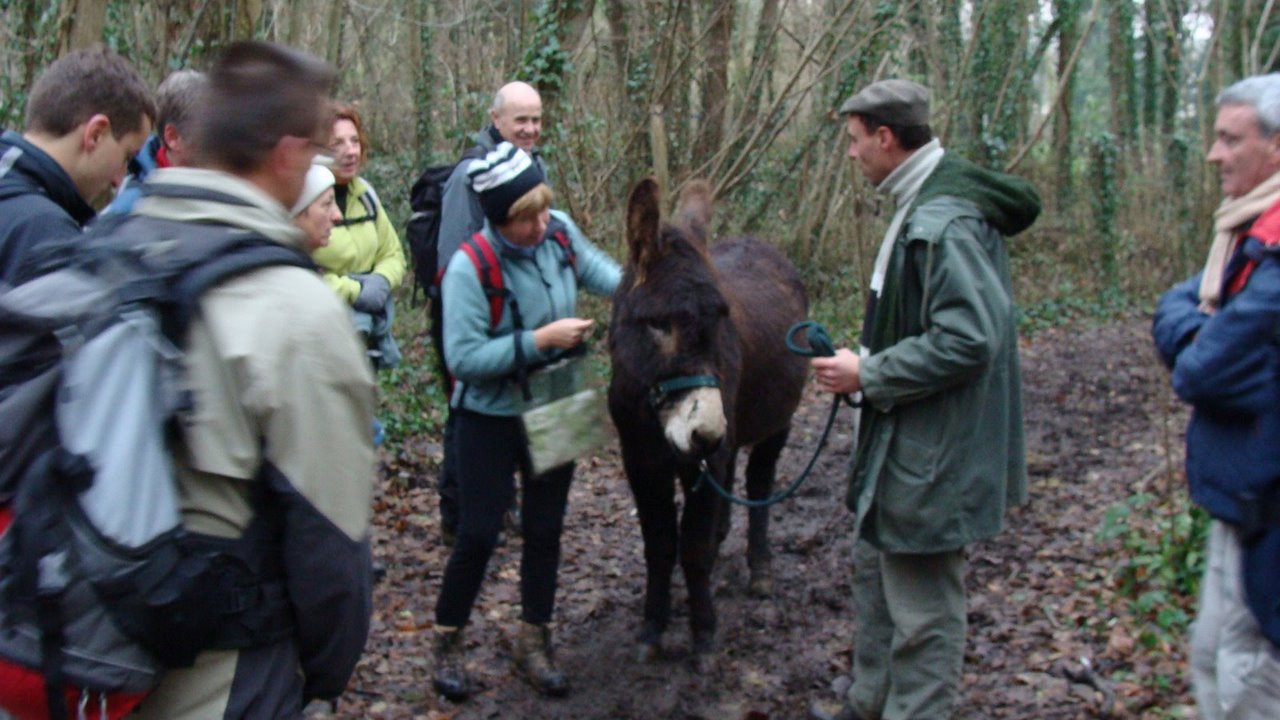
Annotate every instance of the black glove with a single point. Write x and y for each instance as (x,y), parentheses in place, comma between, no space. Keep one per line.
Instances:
(375,290)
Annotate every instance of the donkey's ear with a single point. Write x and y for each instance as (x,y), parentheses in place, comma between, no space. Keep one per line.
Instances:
(694,208)
(643,218)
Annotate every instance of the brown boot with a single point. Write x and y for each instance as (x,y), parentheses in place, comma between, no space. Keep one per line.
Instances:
(534,660)
(450,679)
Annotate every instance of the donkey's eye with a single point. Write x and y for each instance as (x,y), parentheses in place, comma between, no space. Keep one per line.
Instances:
(661,325)
(665,340)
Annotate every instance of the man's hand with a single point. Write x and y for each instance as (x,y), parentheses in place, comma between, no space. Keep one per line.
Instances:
(840,373)
(564,333)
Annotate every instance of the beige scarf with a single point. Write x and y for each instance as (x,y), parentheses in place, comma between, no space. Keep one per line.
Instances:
(1231,215)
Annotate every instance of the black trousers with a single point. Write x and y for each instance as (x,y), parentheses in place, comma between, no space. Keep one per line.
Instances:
(489,450)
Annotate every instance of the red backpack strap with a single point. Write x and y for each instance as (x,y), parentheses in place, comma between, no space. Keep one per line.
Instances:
(489,270)
(570,257)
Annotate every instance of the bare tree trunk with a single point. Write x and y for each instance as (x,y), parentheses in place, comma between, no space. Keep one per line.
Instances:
(942,48)
(295,12)
(1067,15)
(31,60)
(333,53)
(619,36)
(763,54)
(1120,75)
(715,78)
(424,82)
(574,17)
(658,146)
(248,13)
(1171,54)
(86,20)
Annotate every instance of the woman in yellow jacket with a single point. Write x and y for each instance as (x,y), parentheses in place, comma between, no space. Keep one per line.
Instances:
(363,261)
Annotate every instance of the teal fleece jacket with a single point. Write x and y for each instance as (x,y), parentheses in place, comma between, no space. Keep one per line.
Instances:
(484,359)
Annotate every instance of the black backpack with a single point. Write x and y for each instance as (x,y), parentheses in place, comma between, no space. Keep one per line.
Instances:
(426,198)
(101,587)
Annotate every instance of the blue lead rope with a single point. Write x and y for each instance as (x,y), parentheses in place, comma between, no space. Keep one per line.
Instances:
(819,345)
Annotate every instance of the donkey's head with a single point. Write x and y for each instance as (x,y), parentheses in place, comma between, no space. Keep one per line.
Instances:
(671,330)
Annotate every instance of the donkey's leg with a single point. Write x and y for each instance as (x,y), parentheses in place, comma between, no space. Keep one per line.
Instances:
(653,487)
(725,522)
(698,548)
(761,467)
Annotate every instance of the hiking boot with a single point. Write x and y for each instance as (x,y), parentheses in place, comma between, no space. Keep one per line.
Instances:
(450,679)
(833,710)
(534,660)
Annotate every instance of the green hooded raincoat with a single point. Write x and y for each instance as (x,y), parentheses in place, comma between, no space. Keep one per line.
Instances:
(940,447)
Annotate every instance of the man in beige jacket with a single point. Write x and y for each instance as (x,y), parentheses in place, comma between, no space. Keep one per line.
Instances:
(282,395)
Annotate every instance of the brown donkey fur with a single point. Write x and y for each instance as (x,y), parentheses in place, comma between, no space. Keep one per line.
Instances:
(682,310)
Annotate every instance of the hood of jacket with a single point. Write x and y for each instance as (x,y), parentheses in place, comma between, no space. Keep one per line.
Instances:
(25,168)
(1008,202)
(199,195)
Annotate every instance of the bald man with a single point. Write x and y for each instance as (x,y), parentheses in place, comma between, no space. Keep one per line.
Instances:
(516,117)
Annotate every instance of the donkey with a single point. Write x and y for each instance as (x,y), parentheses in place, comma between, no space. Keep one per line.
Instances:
(700,370)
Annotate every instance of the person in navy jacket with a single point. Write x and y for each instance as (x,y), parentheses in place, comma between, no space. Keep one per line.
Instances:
(1219,332)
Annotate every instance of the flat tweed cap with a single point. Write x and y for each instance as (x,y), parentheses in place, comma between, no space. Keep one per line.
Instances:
(892,102)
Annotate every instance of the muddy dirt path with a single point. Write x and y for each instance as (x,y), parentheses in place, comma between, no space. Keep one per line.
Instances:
(1099,418)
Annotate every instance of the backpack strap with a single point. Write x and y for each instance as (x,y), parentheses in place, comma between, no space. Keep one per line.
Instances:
(570,258)
(248,253)
(178,262)
(369,199)
(481,253)
(370,202)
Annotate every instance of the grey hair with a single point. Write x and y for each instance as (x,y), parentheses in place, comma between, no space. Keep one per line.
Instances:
(1260,92)
(176,99)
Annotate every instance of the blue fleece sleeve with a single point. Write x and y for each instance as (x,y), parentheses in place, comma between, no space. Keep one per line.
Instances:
(597,272)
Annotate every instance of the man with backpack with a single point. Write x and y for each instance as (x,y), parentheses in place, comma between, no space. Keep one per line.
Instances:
(283,395)
(185,471)
(516,117)
(87,114)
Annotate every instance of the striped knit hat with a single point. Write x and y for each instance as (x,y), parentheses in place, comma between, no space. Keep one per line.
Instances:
(501,178)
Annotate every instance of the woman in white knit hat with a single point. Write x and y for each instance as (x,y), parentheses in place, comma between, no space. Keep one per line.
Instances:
(316,212)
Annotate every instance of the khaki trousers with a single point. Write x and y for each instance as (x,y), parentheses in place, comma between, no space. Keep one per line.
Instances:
(909,646)
(1234,669)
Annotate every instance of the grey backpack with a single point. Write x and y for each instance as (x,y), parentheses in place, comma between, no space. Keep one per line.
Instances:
(101,587)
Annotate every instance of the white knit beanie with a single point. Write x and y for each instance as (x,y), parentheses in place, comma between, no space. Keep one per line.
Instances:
(319,179)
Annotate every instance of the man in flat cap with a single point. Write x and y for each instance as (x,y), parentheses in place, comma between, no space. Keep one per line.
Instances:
(940,442)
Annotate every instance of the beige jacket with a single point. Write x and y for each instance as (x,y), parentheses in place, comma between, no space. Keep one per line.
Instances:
(280,384)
